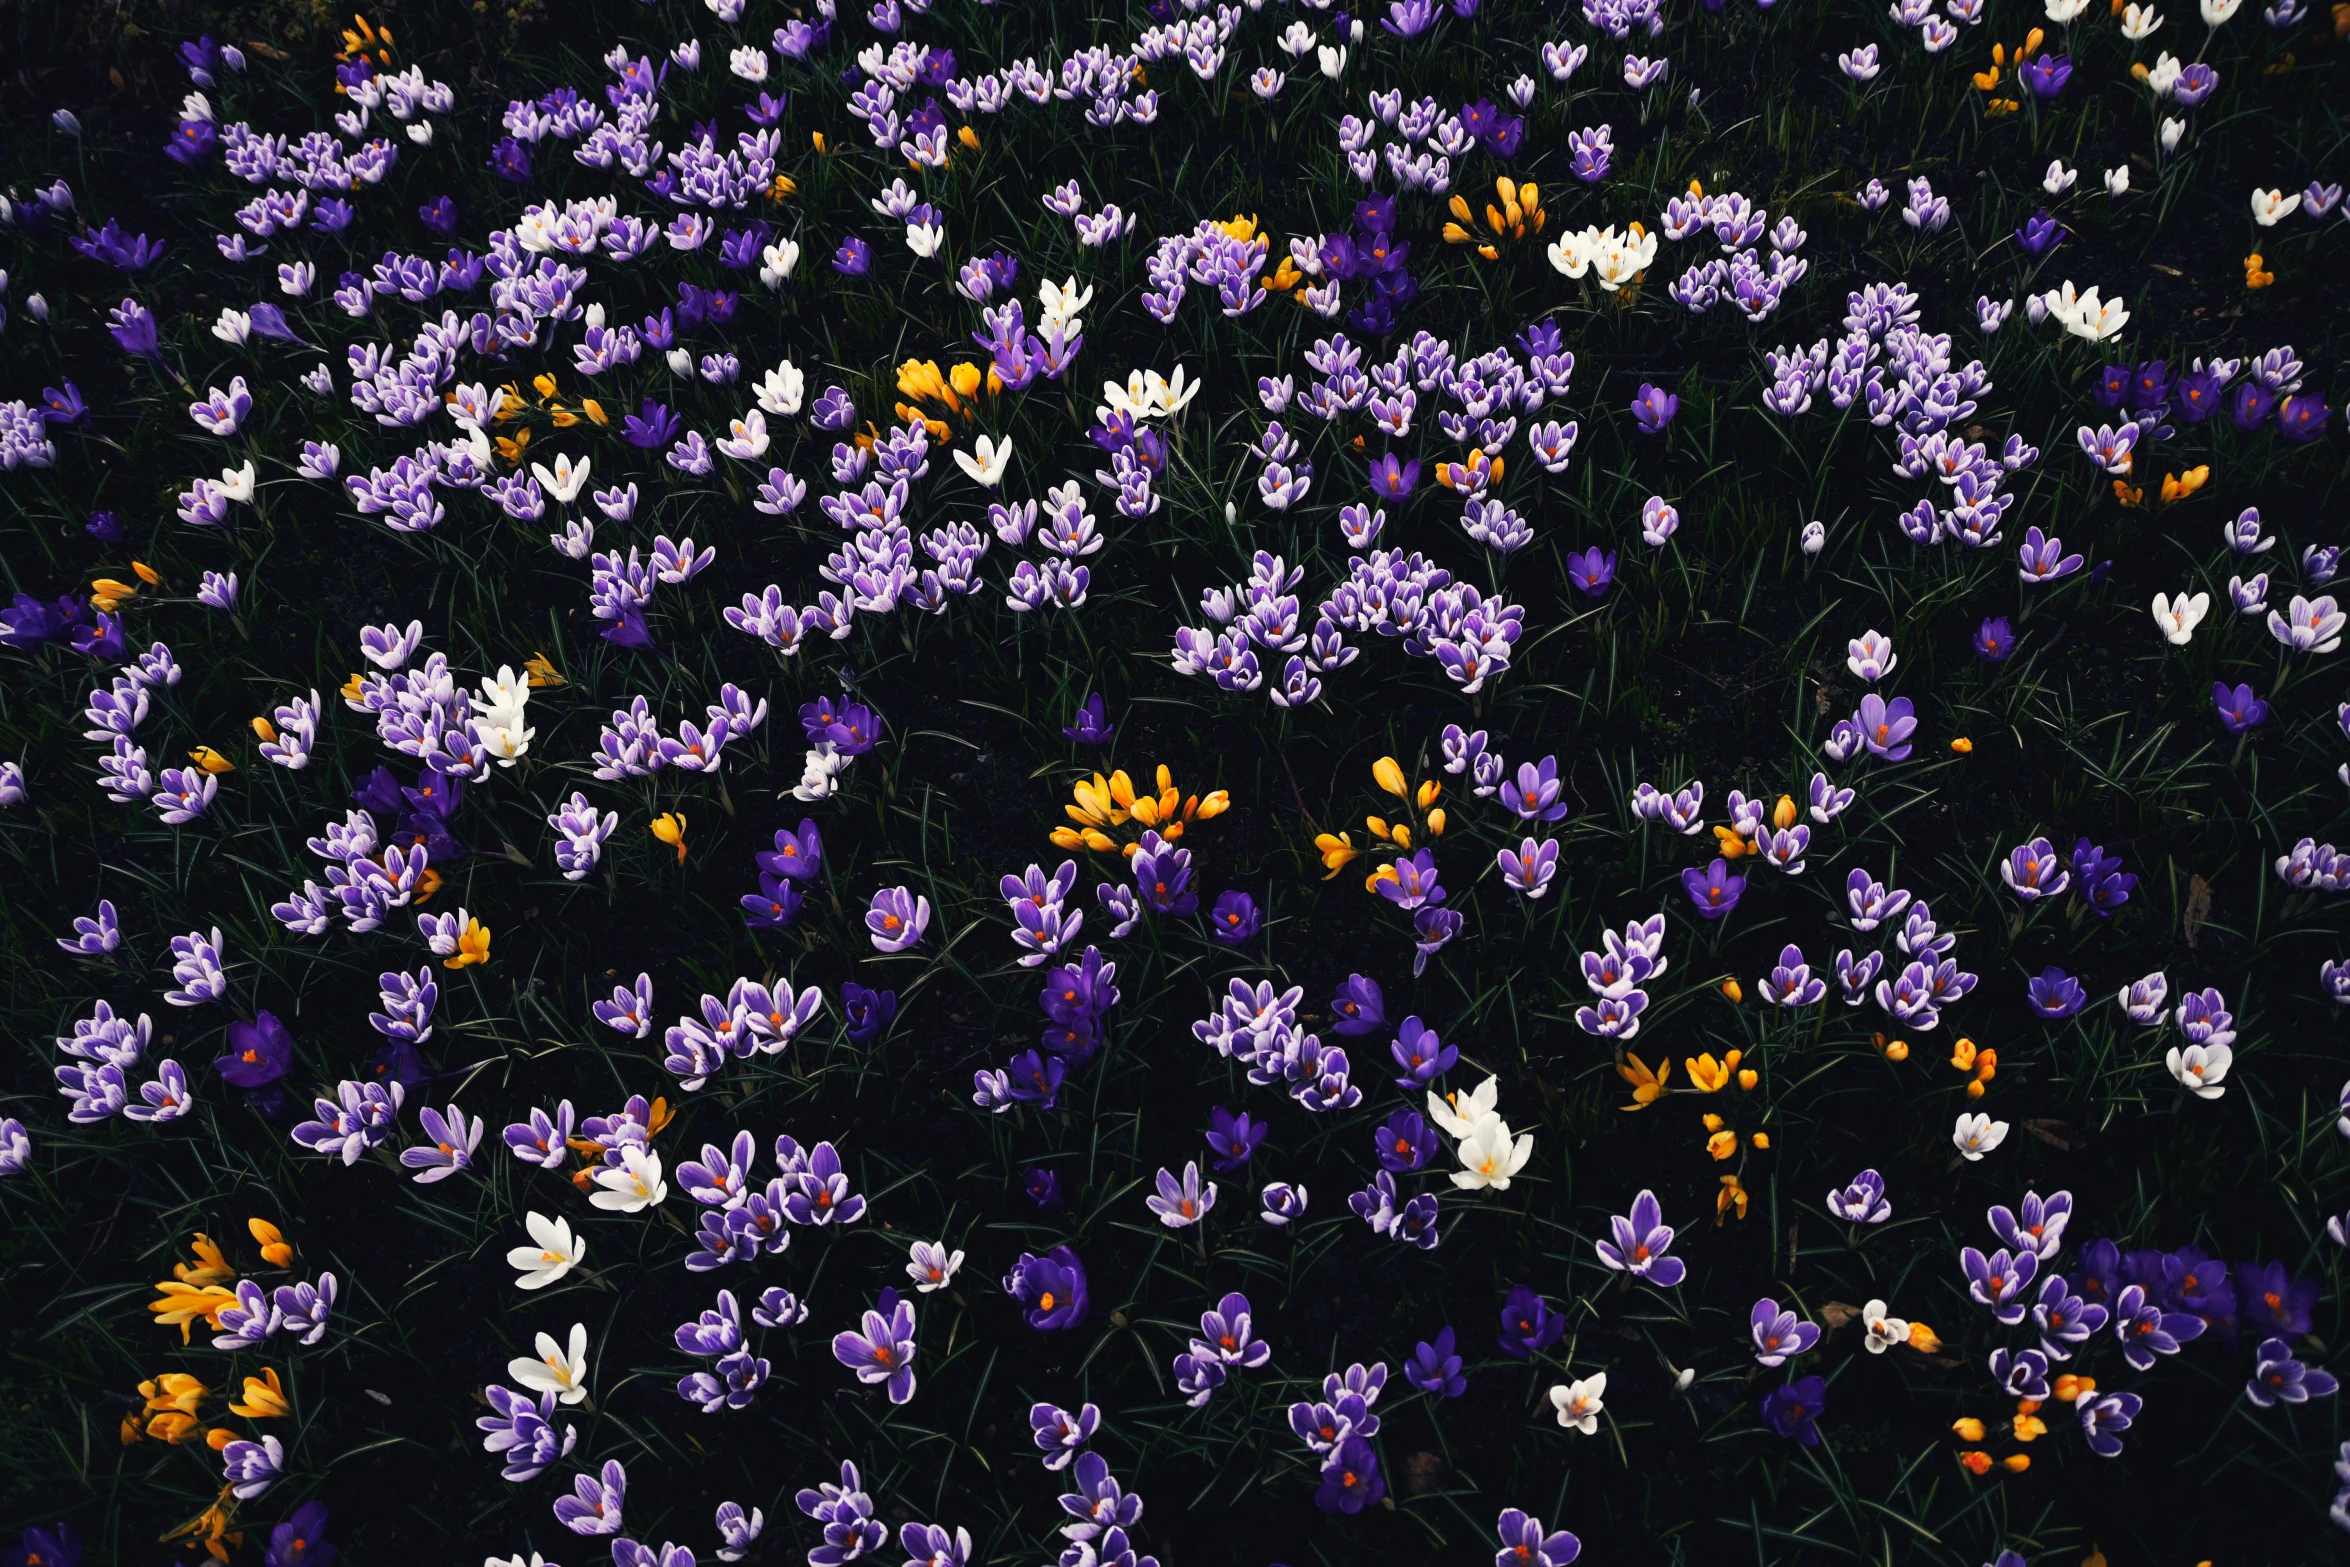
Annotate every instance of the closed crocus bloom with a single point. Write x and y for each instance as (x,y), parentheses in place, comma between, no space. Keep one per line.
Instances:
(2271,207)
(2217,12)
(2117,181)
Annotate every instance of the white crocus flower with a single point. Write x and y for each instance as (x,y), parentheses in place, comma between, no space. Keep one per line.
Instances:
(505,694)
(2066,12)
(1061,301)
(820,775)
(506,744)
(553,1252)
(1976,1135)
(238,482)
(234,326)
(923,239)
(2172,131)
(1333,60)
(2058,179)
(421,133)
(1461,1114)
(777,261)
(2164,77)
(632,1185)
(2217,12)
(2199,1068)
(1885,1330)
(680,362)
(1579,1403)
(2140,21)
(2179,617)
(555,1371)
(1489,1158)
(749,64)
(2270,207)
(986,463)
(781,390)
(1297,40)
(2097,319)
(564,481)
(2117,181)
(746,438)
(195,106)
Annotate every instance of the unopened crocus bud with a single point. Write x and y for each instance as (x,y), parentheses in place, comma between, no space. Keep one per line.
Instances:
(1815,537)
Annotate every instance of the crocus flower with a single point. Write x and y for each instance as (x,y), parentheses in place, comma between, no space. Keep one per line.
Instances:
(1091,725)
(1792,1410)
(1653,409)
(1434,1367)
(1714,890)
(1235,918)
(1181,1204)
(1350,1479)
(884,1351)
(2239,709)
(554,1251)
(1885,727)
(2055,994)
(2102,1416)
(557,1369)
(259,1052)
(1528,1325)
(1050,1289)
(2278,1378)
(1976,1135)
(1393,479)
(1779,1335)
(897,919)
(1236,1138)
(1640,1243)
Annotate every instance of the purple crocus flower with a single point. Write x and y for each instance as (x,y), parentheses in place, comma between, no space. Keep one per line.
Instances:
(2239,710)
(1434,1367)
(2251,406)
(1641,1241)
(2046,74)
(1050,1289)
(300,1541)
(2273,1300)
(1714,890)
(1999,1281)
(1092,725)
(595,1505)
(1235,918)
(1592,571)
(1408,884)
(1653,409)
(1162,877)
(868,1013)
(1419,1052)
(884,1351)
(1043,1187)
(2039,235)
(2146,1330)
(2277,1378)
(1528,1325)
(2302,417)
(1523,1542)
(1358,1007)
(2101,1417)
(2055,994)
(1234,1138)
(1393,480)
(1862,1202)
(651,427)
(1779,1335)
(1885,727)
(854,258)
(1350,1479)
(897,919)
(510,161)
(1793,1410)
(1994,640)
(1405,1143)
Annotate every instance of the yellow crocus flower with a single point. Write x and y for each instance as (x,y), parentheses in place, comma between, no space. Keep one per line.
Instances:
(264,1399)
(1647,1087)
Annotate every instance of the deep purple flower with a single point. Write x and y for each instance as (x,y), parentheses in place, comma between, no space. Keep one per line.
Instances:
(1410,883)
(2046,74)
(1714,890)
(105,527)
(2273,1300)
(2055,994)
(64,405)
(1235,1138)
(1793,1410)
(39,1547)
(854,258)
(1418,1051)
(1994,640)
(1050,1289)
(2196,83)
(868,1013)
(439,215)
(2103,1416)
(259,1052)
(1405,1143)
(1043,1186)
(1435,1369)
(1653,409)
(301,1540)
(1235,918)
(1162,877)
(510,161)
(1528,1325)
(1091,725)
(2239,709)
(775,905)
(1392,479)
(1358,1007)
(651,427)
(2039,235)
(2198,394)
(1350,1478)
(1592,571)
(2278,1378)
(2251,406)
(192,142)
(797,855)
(2303,417)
